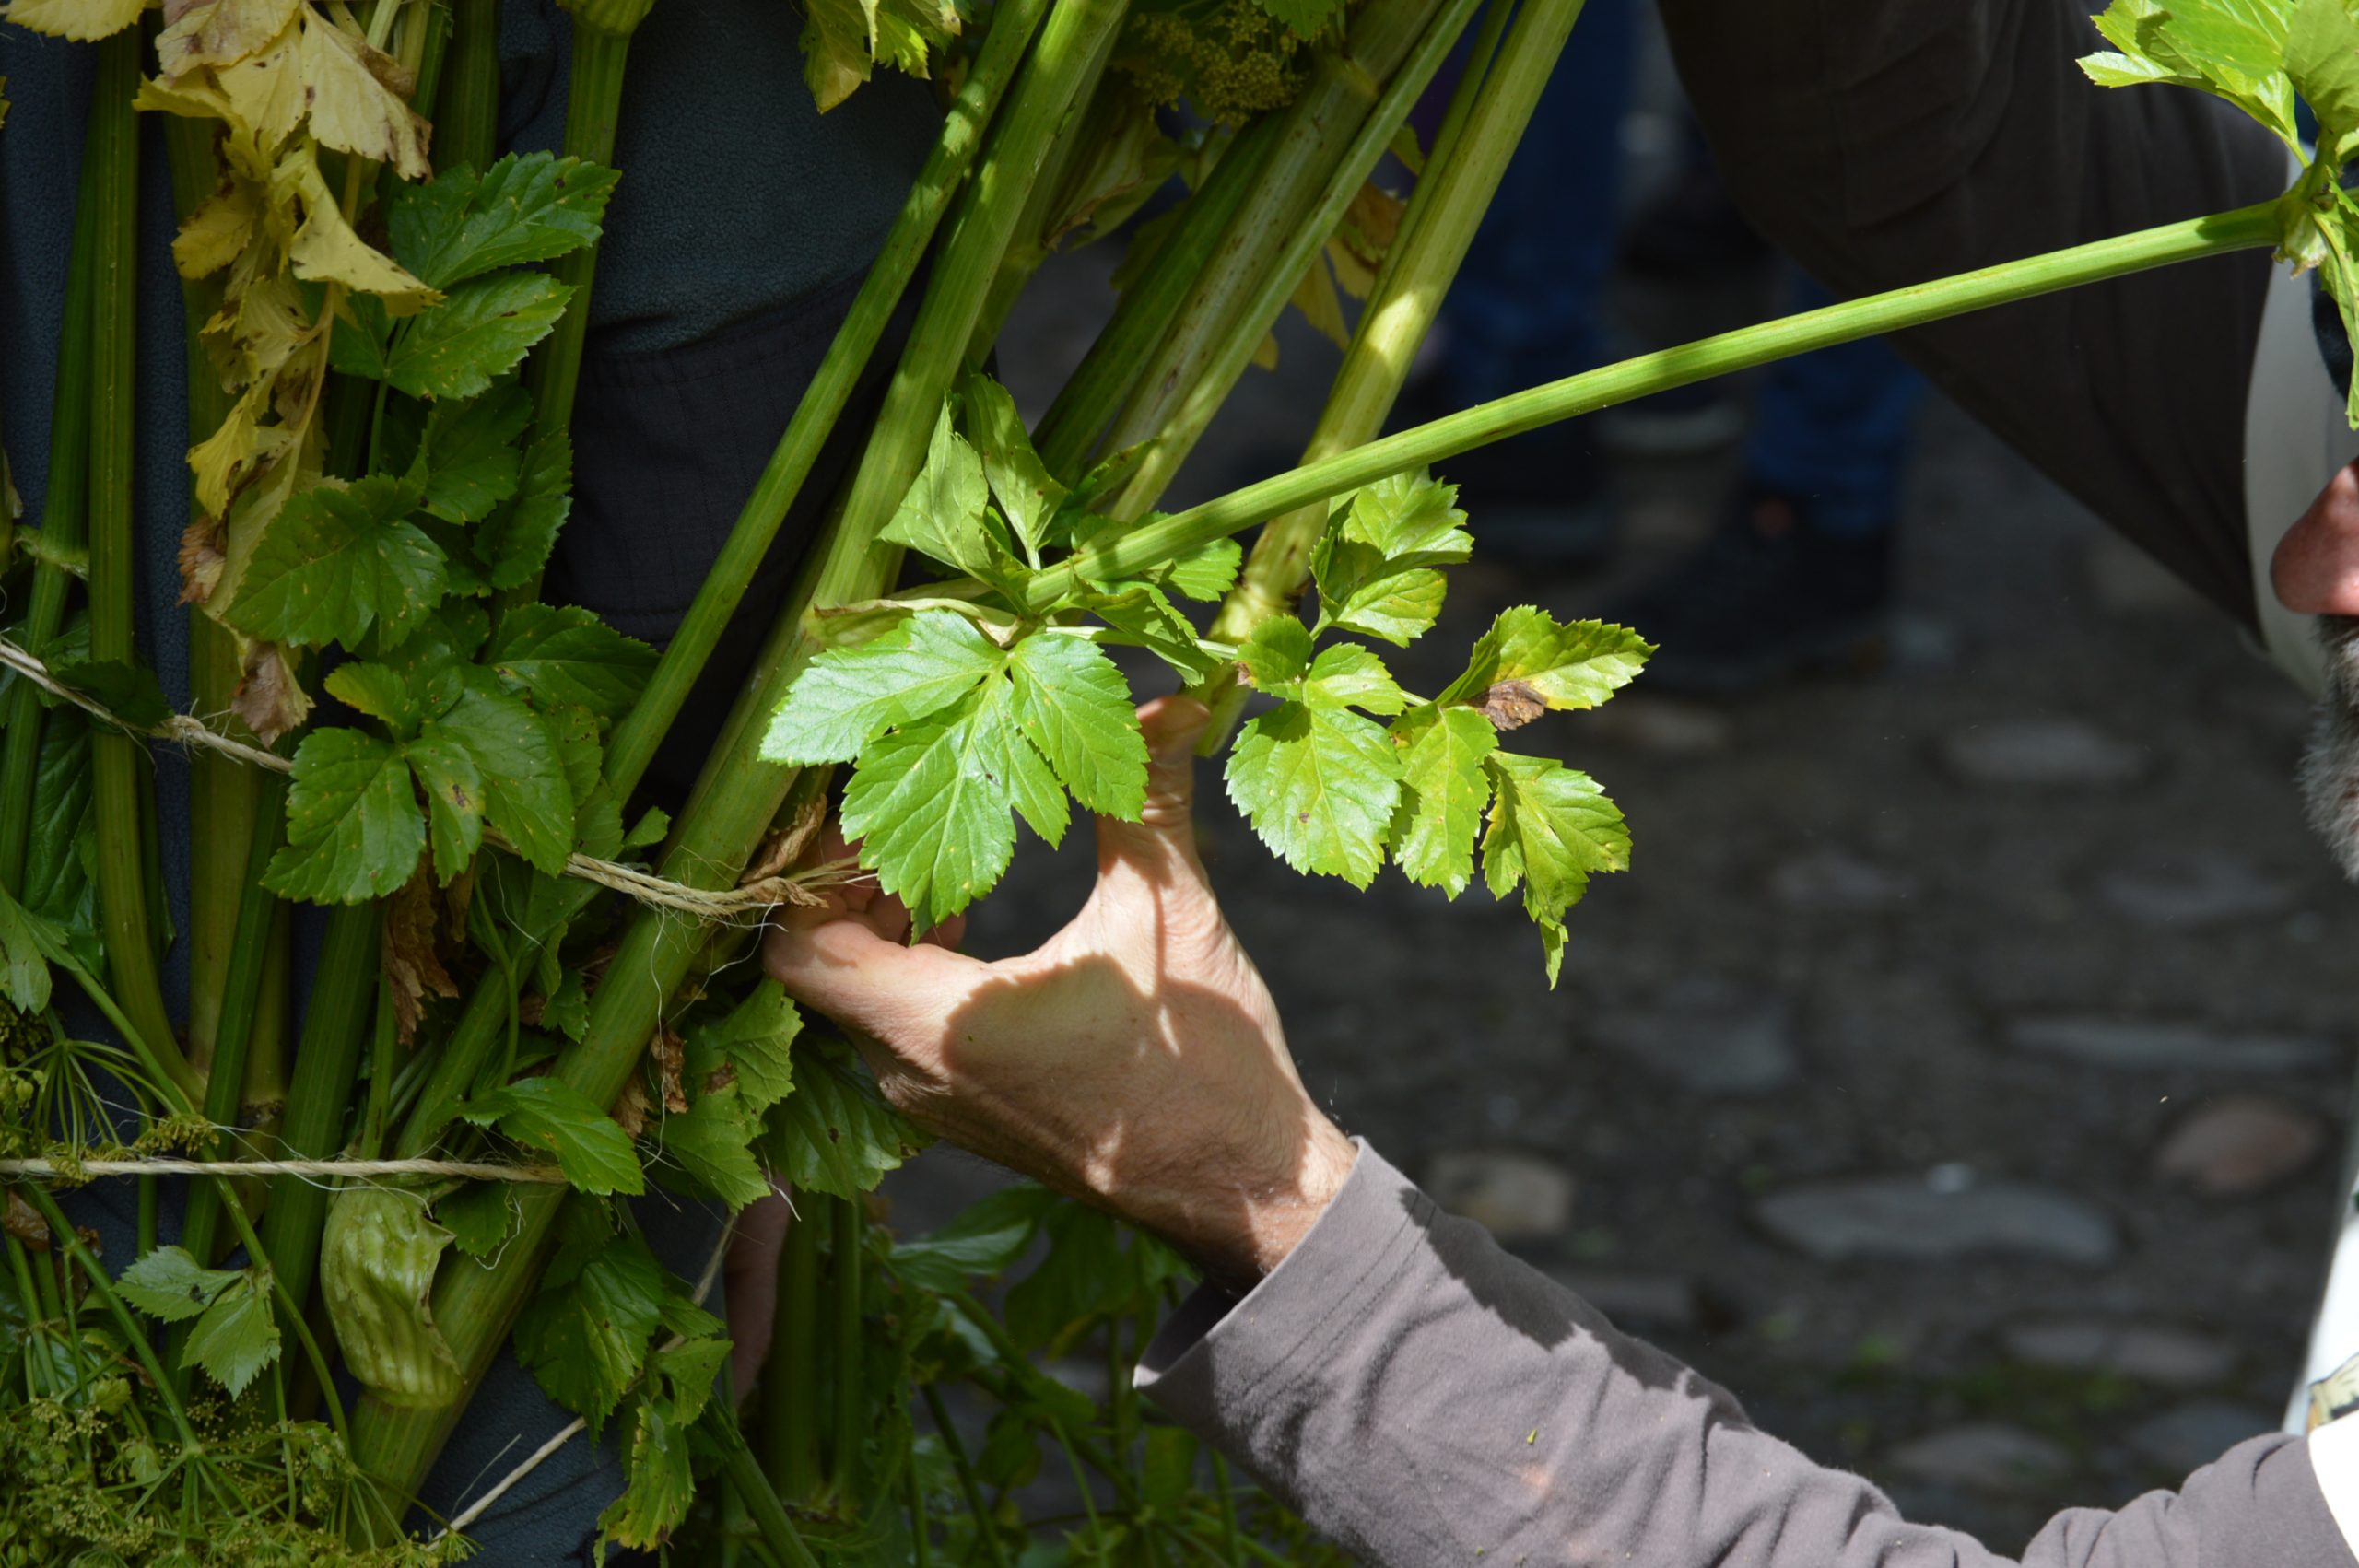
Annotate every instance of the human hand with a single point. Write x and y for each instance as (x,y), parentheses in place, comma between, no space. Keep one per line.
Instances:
(1134,1060)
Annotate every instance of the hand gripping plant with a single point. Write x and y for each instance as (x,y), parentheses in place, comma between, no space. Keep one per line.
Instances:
(528,995)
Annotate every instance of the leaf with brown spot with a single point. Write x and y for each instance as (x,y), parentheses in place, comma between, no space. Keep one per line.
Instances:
(633,1109)
(201,559)
(23,1222)
(1359,243)
(356,95)
(1510,704)
(784,849)
(270,700)
(671,1057)
(412,967)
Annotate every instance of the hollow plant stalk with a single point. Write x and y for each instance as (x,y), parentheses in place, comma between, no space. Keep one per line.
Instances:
(476,1304)
(117,760)
(1478,137)
(789,1385)
(1261,248)
(467,110)
(1154,543)
(640,733)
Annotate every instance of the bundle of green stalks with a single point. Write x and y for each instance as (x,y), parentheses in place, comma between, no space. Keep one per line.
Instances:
(531,994)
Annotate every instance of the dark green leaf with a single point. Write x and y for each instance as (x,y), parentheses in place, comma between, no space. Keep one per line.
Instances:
(713,1142)
(1305,17)
(128,691)
(535,207)
(469,457)
(62,849)
(337,561)
(525,794)
(238,1335)
(835,1134)
(987,1239)
(563,655)
(454,795)
(690,1368)
(455,348)
(1095,1267)
(585,1335)
(514,542)
(353,826)
(551,1117)
(24,958)
(755,1040)
(660,1487)
(381,691)
(170,1286)
(478,1216)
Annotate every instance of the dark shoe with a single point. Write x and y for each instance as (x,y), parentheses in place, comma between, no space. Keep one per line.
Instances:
(1766,598)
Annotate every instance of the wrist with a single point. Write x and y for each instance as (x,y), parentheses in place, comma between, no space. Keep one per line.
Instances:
(1237,1220)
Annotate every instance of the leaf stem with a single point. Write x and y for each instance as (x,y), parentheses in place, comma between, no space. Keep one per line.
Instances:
(849,1229)
(2243,228)
(791,1380)
(955,1446)
(769,1515)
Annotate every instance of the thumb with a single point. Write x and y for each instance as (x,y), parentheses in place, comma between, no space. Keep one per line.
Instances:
(1165,835)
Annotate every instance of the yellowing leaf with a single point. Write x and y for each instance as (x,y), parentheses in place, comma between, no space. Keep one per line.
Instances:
(221,226)
(225,460)
(192,100)
(1315,297)
(325,250)
(356,97)
(258,329)
(221,32)
(265,91)
(81,20)
(838,37)
(1359,244)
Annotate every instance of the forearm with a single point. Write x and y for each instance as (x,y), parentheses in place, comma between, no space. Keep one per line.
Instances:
(1423,1397)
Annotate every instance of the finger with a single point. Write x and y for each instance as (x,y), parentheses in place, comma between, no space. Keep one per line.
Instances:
(897,993)
(1164,838)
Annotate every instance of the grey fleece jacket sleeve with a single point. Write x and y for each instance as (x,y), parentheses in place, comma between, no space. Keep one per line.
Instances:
(1423,1397)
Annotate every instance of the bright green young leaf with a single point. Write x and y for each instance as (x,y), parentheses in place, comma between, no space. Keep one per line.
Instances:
(238,1335)
(1010,755)
(336,561)
(378,1253)
(1144,612)
(525,794)
(353,826)
(1073,705)
(564,656)
(929,802)
(455,348)
(24,960)
(554,1117)
(1528,657)
(1276,654)
(514,542)
(377,690)
(754,1040)
(1018,479)
(1319,784)
(943,514)
(2234,49)
(1408,515)
(658,1485)
(838,39)
(170,1286)
(1443,791)
(1207,571)
(467,459)
(530,208)
(1348,675)
(1360,591)
(585,1335)
(835,1134)
(988,1239)
(446,770)
(479,1217)
(850,695)
(1551,827)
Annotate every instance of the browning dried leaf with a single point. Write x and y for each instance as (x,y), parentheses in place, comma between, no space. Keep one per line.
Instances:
(784,849)
(1510,704)
(201,559)
(23,1222)
(413,968)
(633,1109)
(270,700)
(1360,241)
(670,1057)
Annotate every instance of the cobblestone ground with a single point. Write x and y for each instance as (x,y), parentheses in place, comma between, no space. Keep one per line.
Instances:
(1959,1073)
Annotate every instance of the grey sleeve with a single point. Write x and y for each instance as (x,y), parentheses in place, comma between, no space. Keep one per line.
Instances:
(1887,142)
(1423,1397)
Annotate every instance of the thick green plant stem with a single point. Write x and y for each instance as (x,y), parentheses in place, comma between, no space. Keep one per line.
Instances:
(760,1500)
(327,1062)
(640,733)
(1218,349)
(789,1382)
(1479,136)
(64,525)
(116,760)
(1152,545)
(846,1262)
(592,110)
(467,109)
(1103,382)
(1391,49)
(475,1305)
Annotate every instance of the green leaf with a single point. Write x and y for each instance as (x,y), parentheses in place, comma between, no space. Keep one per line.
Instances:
(535,207)
(659,1487)
(690,1368)
(128,691)
(170,1286)
(755,1039)
(1319,784)
(468,460)
(455,348)
(353,826)
(1018,479)
(1360,591)
(62,849)
(24,958)
(988,1239)
(1408,515)
(564,656)
(1207,571)
(356,346)
(378,1253)
(336,561)
(553,1117)
(584,1334)
(1276,654)
(2234,49)
(525,794)
(238,1335)
(2322,58)
(1095,1267)
(1528,655)
(835,1134)
(713,1141)
(850,695)
(1443,791)
(1551,827)
(838,39)
(446,770)
(567,1009)
(1350,675)
(928,804)
(514,542)
(377,690)
(1305,17)
(942,516)
(1073,705)
(479,1217)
